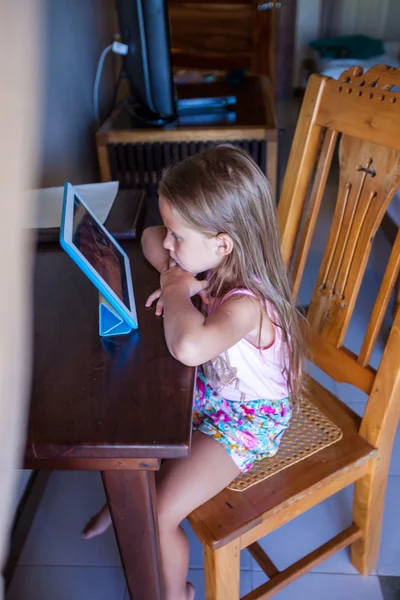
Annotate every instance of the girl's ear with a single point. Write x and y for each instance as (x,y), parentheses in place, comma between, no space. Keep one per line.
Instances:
(224,244)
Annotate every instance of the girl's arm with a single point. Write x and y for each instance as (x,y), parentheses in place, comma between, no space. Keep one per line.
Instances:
(193,339)
(153,249)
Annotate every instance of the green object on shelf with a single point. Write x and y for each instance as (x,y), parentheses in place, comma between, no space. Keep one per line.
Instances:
(348,46)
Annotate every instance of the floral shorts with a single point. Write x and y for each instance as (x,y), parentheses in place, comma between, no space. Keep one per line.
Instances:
(249,431)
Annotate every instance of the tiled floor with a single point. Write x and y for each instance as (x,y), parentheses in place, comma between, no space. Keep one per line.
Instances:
(57,563)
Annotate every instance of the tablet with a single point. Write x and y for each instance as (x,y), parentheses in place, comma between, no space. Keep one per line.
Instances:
(97,253)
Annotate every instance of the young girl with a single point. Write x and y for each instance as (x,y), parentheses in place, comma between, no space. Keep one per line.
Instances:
(219,219)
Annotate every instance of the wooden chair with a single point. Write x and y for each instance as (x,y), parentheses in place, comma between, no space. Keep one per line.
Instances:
(361,114)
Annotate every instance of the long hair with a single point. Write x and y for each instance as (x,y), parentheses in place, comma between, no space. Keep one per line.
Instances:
(222,190)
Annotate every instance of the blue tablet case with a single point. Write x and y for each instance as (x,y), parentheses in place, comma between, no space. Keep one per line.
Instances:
(110,322)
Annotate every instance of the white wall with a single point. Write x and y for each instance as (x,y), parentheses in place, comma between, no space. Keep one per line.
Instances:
(367,17)
(392,26)
(377,18)
(76,33)
(307,29)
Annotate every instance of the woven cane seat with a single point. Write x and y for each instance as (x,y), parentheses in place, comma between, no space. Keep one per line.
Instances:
(309,432)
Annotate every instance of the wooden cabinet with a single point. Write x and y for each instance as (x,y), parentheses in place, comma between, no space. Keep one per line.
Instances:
(234,34)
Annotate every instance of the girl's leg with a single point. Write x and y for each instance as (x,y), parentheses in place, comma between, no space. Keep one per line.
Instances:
(183,485)
(97,524)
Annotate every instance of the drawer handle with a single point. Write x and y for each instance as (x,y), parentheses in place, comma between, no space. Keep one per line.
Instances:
(268,6)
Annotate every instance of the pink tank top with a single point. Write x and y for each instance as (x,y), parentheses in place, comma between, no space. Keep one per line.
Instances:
(245,372)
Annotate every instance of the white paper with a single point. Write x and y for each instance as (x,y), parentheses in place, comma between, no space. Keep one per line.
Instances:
(48,201)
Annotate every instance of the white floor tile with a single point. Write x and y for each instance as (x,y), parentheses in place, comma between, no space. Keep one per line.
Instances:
(315,586)
(389,557)
(196,576)
(304,534)
(71,497)
(67,583)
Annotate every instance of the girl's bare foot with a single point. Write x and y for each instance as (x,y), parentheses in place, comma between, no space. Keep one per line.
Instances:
(190,591)
(97,524)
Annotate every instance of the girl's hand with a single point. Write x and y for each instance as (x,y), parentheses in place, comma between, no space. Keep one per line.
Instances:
(177,277)
(160,304)
(157,295)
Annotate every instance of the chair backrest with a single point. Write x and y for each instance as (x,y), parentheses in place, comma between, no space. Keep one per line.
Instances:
(359,114)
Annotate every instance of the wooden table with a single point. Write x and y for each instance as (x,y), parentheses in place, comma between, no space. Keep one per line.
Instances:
(116,406)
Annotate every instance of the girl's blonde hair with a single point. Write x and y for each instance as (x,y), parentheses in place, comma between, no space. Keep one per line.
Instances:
(222,190)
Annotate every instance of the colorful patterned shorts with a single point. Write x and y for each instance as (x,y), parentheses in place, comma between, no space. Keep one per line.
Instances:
(249,431)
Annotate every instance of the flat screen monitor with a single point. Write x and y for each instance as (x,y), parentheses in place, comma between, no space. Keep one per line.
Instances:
(144,27)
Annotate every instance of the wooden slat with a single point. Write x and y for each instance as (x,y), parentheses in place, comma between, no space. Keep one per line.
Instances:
(158,160)
(184,150)
(321,176)
(363,117)
(340,363)
(112,161)
(272,166)
(175,152)
(91,464)
(264,158)
(189,135)
(141,168)
(299,168)
(263,560)
(132,166)
(192,148)
(269,589)
(254,151)
(381,303)
(150,170)
(122,166)
(167,156)
(104,166)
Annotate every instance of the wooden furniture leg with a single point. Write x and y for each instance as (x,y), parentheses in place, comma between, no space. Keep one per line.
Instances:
(131,497)
(369,502)
(222,572)
(272,165)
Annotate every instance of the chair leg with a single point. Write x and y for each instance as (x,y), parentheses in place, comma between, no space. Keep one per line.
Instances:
(369,501)
(222,572)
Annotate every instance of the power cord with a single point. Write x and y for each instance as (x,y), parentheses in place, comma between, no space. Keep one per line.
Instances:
(118,48)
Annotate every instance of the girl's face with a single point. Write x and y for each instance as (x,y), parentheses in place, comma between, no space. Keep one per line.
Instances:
(191,250)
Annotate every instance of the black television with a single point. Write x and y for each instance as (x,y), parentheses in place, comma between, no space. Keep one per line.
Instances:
(144,27)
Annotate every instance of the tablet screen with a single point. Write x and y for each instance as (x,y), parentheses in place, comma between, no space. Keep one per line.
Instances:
(99,251)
